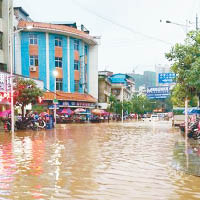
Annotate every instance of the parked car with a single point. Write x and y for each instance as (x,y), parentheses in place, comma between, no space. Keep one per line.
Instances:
(154,118)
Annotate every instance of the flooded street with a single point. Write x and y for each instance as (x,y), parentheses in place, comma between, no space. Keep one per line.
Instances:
(136,160)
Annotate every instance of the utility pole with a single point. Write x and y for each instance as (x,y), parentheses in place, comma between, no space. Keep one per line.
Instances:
(197,22)
(122,103)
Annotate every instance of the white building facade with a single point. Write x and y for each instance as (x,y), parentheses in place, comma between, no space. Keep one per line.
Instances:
(6,26)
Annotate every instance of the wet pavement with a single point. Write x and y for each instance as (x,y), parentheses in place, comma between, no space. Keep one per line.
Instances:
(115,161)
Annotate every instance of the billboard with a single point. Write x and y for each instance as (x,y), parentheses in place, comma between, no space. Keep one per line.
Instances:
(166,78)
(160,92)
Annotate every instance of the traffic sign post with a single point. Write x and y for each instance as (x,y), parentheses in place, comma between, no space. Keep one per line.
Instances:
(55,101)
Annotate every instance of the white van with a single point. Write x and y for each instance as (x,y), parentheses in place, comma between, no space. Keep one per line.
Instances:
(154,118)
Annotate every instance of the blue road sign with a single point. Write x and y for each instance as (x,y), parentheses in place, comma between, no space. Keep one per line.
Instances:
(166,78)
(160,92)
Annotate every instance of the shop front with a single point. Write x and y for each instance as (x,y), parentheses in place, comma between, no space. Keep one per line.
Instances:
(71,106)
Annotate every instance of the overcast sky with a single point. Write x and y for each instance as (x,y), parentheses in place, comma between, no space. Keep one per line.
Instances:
(132,36)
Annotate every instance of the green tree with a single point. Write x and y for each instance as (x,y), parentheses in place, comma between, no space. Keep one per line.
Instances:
(138,104)
(26,92)
(112,103)
(127,107)
(185,60)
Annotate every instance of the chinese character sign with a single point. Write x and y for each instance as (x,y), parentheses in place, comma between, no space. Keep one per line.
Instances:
(161,92)
(5,96)
(5,82)
(166,78)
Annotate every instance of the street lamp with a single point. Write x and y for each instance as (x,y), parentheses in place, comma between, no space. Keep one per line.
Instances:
(122,100)
(184,26)
(186,99)
(55,73)
(11,57)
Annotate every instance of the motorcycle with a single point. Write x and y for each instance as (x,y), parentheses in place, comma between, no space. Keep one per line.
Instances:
(39,124)
(7,124)
(23,124)
(193,130)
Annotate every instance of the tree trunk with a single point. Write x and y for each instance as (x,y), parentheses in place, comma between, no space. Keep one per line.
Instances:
(186,117)
(22,111)
(109,113)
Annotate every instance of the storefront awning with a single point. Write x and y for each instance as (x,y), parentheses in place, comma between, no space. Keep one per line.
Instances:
(66,96)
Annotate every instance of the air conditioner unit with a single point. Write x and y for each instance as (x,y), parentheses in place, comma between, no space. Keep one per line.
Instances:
(32,69)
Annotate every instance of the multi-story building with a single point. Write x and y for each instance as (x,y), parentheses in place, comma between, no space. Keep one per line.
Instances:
(123,86)
(148,79)
(71,52)
(6,25)
(104,89)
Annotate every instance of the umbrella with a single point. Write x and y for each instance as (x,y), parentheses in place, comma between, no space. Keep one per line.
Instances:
(97,112)
(67,111)
(193,111)
(43,114)
(79,110)
(5,113)
(106,113)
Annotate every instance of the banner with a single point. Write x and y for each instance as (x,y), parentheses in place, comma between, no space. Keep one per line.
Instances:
(160,92)
(5,82)
(166,78)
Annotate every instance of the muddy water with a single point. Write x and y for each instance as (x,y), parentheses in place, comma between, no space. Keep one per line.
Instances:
(143,160)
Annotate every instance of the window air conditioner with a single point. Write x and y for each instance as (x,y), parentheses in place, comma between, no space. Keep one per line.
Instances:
(32,69)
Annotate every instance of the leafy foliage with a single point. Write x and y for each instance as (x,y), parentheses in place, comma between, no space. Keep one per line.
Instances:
(26,92)
(138,104)
(185,60)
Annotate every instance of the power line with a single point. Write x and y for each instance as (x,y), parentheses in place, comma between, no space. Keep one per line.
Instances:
(118,24)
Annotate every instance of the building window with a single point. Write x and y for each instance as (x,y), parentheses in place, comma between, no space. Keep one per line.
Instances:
(33,40)
(33,60)
(116,91)
(76,44)
(3,67)
(0,8)
(59,84)
(76,65)
(76,86)
(85,73)
(86,50)
(58,62)
(1,40)
(105,99)
(58,41)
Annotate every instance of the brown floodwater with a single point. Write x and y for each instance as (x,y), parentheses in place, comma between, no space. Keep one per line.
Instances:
(130,161)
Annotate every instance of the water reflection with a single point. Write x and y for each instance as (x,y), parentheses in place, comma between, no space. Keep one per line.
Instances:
(89,161)
(187,157)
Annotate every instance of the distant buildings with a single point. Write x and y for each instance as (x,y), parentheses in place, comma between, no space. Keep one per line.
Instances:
(148,79)
(104,89)
(122,86)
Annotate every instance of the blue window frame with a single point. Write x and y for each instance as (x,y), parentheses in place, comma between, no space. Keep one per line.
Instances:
(58,62)
(33,60)
(76,44)
(76,65)
(33,40)
(59,84)
(76,86)
(58,41)
(86,49)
